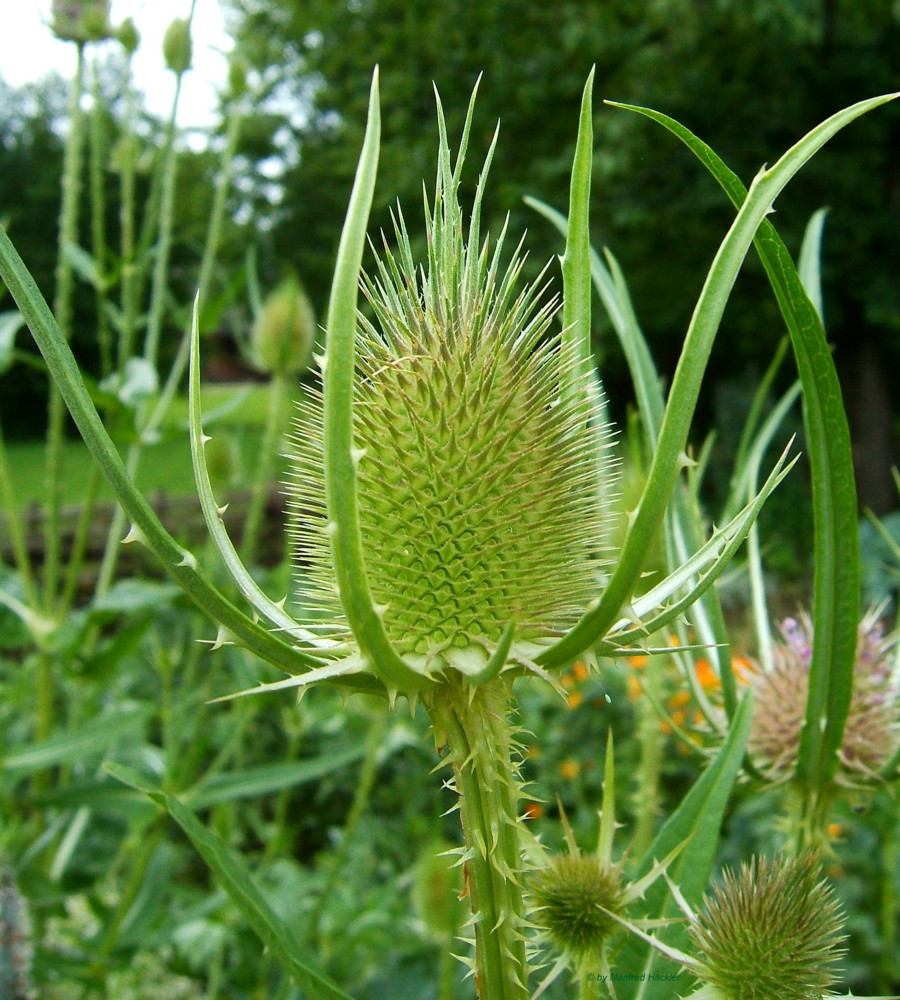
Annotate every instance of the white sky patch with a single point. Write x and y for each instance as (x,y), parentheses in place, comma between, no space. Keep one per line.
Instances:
(29,50)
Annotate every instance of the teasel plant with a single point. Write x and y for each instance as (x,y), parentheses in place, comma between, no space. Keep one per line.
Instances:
(448,484)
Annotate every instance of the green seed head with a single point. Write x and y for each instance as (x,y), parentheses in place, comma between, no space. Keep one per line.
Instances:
(570,899)
(772,930)
(480,478)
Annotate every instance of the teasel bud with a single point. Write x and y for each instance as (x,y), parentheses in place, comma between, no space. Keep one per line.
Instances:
(872,731)
(478,473)
(81,20)
(573,900)
(283,334)
(15,943)
(177,46)
(773,929)
(128,36)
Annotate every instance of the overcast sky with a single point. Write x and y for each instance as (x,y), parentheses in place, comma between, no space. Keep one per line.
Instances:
(28,50)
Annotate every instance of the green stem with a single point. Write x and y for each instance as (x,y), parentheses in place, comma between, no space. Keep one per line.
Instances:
(164,239)
(646,792)
(16,530)
(62,309)
(98,150)
(79,542)
(889,909)
(361,798)
(279,394)
(472,729)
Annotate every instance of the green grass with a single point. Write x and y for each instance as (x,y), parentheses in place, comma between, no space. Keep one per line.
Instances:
(236,430)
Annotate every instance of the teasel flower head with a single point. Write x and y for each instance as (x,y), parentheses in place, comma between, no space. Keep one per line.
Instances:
(773,929)
(575,899)
(872,731)
(479,475)
(579,901)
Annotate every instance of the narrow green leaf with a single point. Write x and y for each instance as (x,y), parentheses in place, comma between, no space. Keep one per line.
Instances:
(576,267)
(268,609)
(95,737)
(236,879)
(148,529)
(267,778)
(766,186)
(341,457)
(695,823)
(10,324)
(836,600)
(810,264)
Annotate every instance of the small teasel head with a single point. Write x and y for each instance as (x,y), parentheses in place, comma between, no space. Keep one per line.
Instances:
(872,731)
(480,480)
(773,929)
(573,900)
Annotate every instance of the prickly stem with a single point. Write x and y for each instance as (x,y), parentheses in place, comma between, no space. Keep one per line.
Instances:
(475,736)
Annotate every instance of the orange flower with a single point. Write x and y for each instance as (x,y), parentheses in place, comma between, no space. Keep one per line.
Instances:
(679,699)
(533,810)
(575,699)
(580,671)
(570,769)
(633,689)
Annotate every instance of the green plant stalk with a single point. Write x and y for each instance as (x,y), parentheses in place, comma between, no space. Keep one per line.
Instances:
(361,797)
(130,284)
(79,542)
(646,791)
(16,530)
(889,908)
(62,308)
(98,155)
(162,251)
(277,413)
(473,733)
(158,290)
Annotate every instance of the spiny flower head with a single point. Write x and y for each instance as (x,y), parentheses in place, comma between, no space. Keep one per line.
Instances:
(480,476)
(573,898)
(773,929)
(872,731)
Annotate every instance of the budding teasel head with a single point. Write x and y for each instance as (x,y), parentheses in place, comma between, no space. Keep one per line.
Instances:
(872,730)
(81,20)
(284,331)
(773,929)
(579,901)
(478,471)
(177,45)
